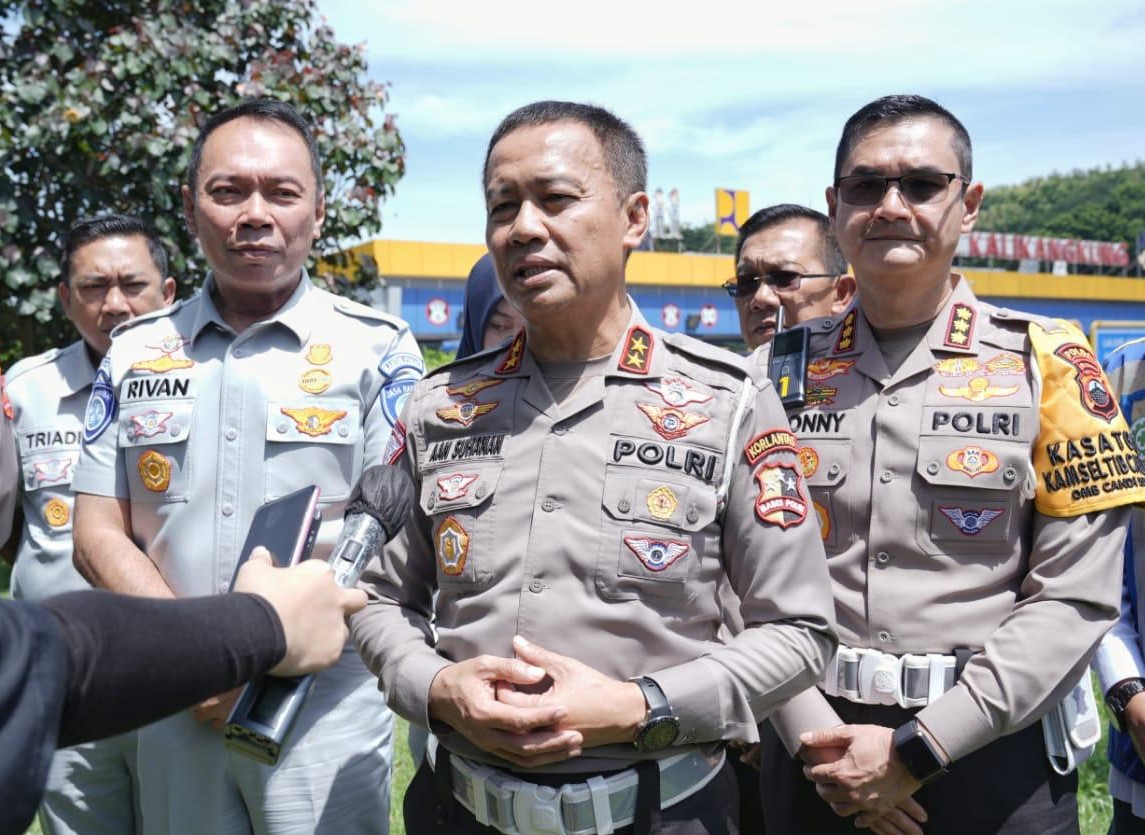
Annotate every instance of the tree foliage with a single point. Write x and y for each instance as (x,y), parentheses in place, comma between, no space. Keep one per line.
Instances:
(102,103)
(1102,204)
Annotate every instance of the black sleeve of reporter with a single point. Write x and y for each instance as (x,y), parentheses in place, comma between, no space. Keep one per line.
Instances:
(134,660)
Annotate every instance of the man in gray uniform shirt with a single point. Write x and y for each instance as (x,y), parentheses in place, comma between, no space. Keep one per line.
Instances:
(257,386)
(582,492)
(114,267)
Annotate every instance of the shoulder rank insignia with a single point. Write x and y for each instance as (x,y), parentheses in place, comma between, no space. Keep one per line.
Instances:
(636,356)
(825,368)
(471,388)
(656,554)
(960,326)
(972,460)
(671,423)
(466,411)
(452,542)
(513,356)
(970,522)
(313,421)
(978,389)
(676,391)
(846,339)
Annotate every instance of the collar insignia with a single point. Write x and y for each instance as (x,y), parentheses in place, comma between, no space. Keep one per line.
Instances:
(846,339)
(636,357)
(513,357)
(960,327)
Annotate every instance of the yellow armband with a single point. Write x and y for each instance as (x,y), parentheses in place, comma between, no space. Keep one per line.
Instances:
(1085,457)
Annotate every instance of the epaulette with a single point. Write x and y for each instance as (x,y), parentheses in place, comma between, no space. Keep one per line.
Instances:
(363,311)
(1013,327)
(151,315)
(32,363)
(706,353)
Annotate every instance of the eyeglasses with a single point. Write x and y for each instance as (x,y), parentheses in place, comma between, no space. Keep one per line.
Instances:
(780,281)
(917,189)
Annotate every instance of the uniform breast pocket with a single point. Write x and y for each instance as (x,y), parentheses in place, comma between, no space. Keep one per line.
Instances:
(824,465)
(311,444)
(458,503)
(970,494)
(656,533)
(155,437)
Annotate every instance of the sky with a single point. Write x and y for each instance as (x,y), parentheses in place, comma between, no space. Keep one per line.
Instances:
(745,95)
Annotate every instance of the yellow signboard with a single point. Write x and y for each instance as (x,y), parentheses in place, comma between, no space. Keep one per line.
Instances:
(732,209)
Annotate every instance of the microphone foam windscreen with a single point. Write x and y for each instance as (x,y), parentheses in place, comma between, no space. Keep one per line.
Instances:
(384,492)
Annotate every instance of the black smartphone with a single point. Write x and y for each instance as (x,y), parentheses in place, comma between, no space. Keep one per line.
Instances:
(287,527)
(787,366)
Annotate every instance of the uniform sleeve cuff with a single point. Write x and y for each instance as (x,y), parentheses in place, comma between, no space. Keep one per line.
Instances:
(695,701)
(806,711)
(410,694)
(956,723)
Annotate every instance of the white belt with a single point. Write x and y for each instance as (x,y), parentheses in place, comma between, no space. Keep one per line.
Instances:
(600,805)
(870,677)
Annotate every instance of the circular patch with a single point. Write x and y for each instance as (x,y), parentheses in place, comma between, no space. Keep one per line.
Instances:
(57,513)
(154,471)
(808,461)
(314,380)
(662,503)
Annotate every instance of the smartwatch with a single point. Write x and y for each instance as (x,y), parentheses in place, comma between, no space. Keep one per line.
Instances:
(660,726)
(1118,698)
(917,753)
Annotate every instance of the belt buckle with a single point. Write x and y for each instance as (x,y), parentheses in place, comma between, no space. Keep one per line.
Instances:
(537,810)
(880,678)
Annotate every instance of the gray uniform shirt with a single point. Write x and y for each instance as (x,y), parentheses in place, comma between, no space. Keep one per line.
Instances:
(929,484)
(9,471)
(48,393)
(600,529)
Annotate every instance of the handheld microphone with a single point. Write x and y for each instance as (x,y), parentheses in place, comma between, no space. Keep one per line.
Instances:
(262,719)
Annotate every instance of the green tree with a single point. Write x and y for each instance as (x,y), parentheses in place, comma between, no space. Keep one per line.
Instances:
(102,103)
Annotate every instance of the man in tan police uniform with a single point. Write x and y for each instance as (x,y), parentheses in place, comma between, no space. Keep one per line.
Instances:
(958,457)
(585,489)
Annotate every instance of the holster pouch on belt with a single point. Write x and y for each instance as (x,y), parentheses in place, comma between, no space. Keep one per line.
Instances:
(1072,728)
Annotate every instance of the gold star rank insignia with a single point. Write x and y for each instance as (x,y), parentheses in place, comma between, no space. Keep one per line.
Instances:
(846,340)
(636,356)
(513,357)
(960,327)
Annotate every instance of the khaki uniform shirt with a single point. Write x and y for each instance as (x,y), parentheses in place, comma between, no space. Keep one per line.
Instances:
(957,501)
(9,470)
(49,394)
(600,529)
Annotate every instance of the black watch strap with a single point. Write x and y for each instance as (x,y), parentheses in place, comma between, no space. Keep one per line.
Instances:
(660,727)
(917,752)
(1117,699)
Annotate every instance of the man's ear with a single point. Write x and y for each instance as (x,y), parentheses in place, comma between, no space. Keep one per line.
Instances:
(845,289)
(636,213)
(319,214)
(189,210)
(65,295)
(971,204)
(829,193)
(168,291)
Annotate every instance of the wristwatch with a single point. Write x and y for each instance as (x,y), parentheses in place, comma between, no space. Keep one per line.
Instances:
(660,726)
(917,752)
(1119,695)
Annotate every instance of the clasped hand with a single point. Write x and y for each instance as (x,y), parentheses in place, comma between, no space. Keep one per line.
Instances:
(536,708)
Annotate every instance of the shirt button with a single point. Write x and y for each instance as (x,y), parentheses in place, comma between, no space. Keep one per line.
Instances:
(693,514)
(886,477)
(560,429)
(238,352)
(1009,474)
(431,501)
(884,636)
(894,400)
(932,468)
(174,430)
(548,505)
(232,434)
(481,491)
(833,469)
(228,509)
(343,431)
(624,505)
(536,587)
(281,428)
(883,557)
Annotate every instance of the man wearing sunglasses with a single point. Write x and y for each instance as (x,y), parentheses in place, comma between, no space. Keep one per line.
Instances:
(970,470)
(787,257)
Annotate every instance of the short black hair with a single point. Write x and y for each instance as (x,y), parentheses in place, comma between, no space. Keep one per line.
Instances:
(831,255)
(891,110)
(621,146)
(97,228)
(265,110)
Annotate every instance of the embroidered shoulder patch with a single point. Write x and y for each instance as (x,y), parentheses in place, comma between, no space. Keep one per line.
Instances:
(780,500)
(1085,457)
(636,356)
(768,441)
(512,361)
(102,406)
(960,326)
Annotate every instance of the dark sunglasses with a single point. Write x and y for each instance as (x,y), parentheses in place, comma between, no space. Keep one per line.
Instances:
(780,281)
(917,189)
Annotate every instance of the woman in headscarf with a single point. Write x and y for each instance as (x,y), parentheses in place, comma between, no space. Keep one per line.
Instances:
(489,318)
